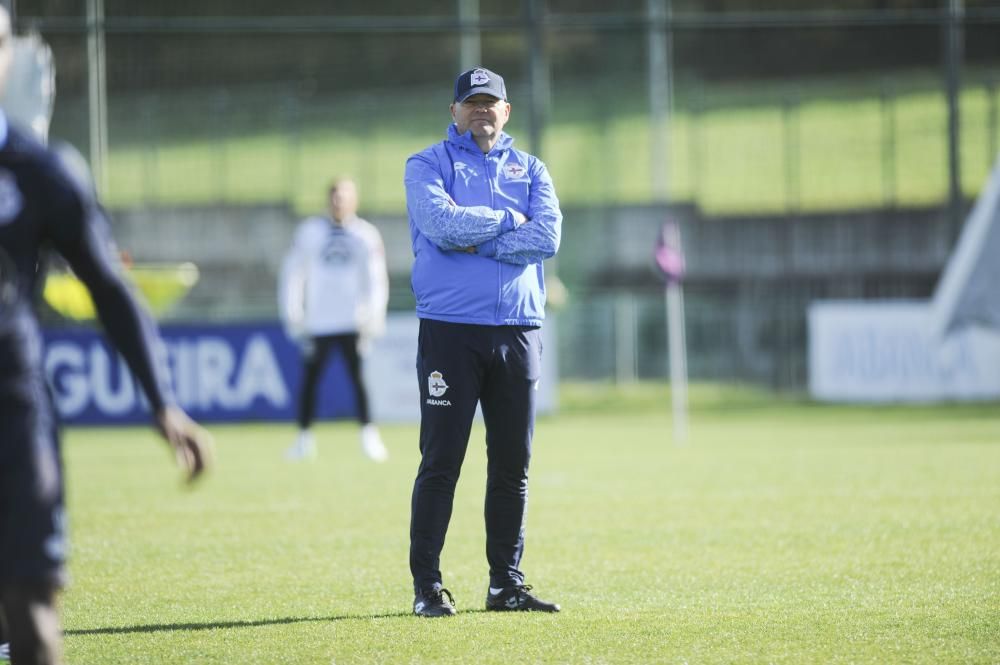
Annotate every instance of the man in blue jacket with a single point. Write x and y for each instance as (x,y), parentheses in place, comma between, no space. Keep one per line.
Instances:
(483,217)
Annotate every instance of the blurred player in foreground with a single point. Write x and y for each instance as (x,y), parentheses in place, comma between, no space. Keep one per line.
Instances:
(333,293)
(483,217)
(43,206)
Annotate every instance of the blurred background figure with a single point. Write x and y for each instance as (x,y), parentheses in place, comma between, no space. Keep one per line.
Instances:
(31,85)
(333,294)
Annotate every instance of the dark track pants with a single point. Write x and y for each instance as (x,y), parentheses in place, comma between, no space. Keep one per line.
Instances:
(458,366)
(32,524)
(313,369)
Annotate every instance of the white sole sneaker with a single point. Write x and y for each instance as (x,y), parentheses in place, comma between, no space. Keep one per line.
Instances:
(301,450)
(372,446)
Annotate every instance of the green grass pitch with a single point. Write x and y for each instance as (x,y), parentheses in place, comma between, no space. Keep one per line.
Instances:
(783,532)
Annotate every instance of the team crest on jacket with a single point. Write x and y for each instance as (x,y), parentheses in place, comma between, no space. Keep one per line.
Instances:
(11,201)
(514,171)
(436,385)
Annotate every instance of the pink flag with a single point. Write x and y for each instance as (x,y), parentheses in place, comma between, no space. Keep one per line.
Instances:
(669,255)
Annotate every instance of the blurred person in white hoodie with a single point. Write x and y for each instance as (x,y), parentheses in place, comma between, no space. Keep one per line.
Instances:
(333,292)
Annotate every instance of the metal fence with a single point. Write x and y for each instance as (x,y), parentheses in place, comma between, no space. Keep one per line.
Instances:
(621,336)
(784,110)
(881,144)
(658,100)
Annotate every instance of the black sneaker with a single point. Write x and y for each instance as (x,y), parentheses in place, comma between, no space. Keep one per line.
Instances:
(517,599)
(432,603)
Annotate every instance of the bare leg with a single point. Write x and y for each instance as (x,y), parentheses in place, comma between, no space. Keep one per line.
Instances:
(32,624)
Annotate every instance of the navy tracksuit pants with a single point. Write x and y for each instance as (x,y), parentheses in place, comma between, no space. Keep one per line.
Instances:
(458,366)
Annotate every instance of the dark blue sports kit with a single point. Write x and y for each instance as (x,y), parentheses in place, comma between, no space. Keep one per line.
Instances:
(43,207)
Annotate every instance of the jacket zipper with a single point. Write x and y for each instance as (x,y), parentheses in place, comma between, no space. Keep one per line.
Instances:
(489,179)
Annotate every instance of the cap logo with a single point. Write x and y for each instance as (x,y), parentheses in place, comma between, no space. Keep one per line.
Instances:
(479,80)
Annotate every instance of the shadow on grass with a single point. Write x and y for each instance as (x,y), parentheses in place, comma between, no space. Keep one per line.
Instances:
(168,627)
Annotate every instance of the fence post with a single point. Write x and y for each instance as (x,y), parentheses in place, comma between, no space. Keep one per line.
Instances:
(470,37)
(659,37)
(221,109)
(694,143)
(370,156)
(887,99)
(293,127)
(538,74)
(625,338)
(953,47)
(991,123)
(791,136)
(150,150)
(97,95)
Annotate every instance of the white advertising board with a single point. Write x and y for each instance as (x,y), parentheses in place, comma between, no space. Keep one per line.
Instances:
(888,351)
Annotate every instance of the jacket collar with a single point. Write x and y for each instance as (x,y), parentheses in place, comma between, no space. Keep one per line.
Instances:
(466,141)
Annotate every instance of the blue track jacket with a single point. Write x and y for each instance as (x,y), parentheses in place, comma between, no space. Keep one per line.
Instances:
(458,197)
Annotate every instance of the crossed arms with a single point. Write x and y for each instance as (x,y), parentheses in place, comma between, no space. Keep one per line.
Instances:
(507,235)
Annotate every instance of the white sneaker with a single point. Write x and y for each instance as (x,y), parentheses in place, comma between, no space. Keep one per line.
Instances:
(303,448)
(371,444)
(5,651)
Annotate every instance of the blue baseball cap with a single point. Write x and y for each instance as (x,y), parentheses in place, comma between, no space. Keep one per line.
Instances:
(479,81)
